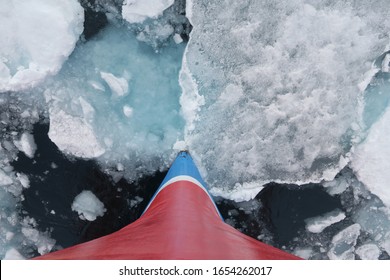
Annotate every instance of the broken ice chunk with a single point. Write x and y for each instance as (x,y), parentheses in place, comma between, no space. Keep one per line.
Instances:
(136,11)
(26,144)
(88,206)
(318,224)
(368,252)
(118,86)
(344,242)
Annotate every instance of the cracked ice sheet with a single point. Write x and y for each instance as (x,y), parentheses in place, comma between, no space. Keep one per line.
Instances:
(37,37)
(277,86)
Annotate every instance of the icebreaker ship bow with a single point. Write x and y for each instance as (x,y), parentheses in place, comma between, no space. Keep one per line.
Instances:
(180,222)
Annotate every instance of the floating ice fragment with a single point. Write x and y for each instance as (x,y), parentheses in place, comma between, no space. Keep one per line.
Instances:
(304,253)
(73,135)
(134,202)
(5,179)
(23,179)
(118,86)
(128,111)
(135,11)
(120,167)
(343,243)
(43,243)
(96,85)
(26,144)
(368,252)
(88,206)
(318,224)
(240,192)
(13,254)
(379,227)
(177,38)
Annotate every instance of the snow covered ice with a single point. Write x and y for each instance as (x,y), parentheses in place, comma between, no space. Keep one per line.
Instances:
(277,86)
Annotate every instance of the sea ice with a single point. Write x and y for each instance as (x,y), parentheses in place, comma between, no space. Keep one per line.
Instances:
(370,160)
(135,11)
(26,144)
(88,206)
(37,37)
(13,254)
(118,106)
(343,243)
(318,224)
(270,90)
(118,85)
(368,252)
(73,135)
(304,253)
(5,179)
(386,63)
(375,221)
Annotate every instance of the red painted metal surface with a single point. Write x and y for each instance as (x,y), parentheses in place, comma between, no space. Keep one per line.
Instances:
(181,223)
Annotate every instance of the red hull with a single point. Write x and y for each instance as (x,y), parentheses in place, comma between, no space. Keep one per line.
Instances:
(181,222)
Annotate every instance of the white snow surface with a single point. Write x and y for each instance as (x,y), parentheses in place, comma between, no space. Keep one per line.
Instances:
(271,88)
(318,224)
(370,160)
(37,37)
(136,11)
(88,206)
